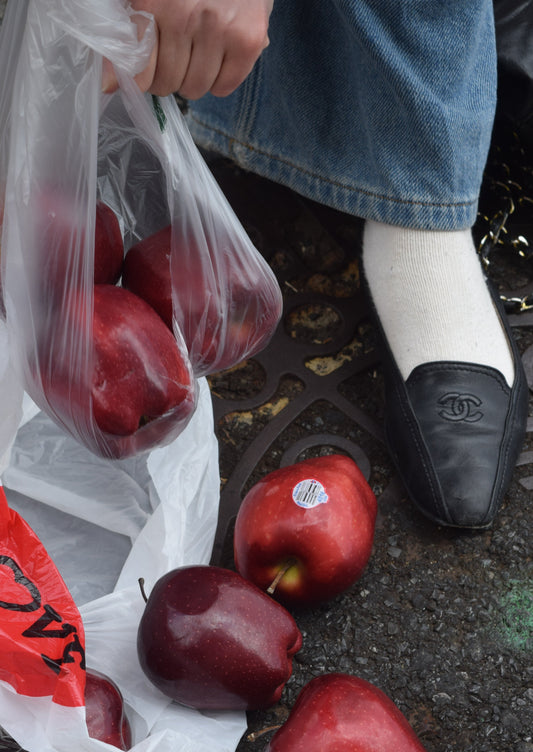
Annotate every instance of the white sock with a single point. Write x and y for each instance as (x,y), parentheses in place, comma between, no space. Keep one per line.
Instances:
(430,294)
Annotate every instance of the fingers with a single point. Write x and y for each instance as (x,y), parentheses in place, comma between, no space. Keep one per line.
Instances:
(172,64)
(206,45)
(219,63)
(145,79)
(235,69)
(202,45)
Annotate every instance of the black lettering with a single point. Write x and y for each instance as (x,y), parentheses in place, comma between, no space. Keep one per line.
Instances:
(20,579)
(73,647)
(39,628)
(55,665)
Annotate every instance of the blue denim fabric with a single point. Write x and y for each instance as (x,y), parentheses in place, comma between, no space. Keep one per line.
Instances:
(379,108)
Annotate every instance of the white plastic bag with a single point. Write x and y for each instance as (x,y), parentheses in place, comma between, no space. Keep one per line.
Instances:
(105,525)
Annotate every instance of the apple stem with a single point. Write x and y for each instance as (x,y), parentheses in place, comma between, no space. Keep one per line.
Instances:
(256,734)
(143,592)
(275,582)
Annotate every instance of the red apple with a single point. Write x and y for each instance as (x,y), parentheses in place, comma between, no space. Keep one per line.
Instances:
(146,272)
(140,392)
(60,225)
(104,711)
(56,258)
(342,713)
(224,314)
(108,246)
(211,640)
(309,525)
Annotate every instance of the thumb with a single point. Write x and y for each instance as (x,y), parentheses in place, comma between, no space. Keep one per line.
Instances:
(109,80)
(145,77)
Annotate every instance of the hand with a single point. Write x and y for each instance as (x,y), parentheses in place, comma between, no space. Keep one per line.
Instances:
(202,45)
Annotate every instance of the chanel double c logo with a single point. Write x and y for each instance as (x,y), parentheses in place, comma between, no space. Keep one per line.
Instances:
(460,407)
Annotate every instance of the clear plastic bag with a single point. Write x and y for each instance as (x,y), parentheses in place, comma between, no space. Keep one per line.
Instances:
(96,357)
(11,402)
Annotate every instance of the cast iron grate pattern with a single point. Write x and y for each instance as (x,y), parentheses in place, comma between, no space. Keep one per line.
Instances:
(285,356)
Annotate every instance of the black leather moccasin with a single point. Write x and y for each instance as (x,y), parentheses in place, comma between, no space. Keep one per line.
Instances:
(454,431)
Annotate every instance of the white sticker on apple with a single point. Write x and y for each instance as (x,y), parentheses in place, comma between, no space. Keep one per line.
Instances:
(309,493)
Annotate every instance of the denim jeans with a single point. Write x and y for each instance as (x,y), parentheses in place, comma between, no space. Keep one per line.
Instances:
(380,108)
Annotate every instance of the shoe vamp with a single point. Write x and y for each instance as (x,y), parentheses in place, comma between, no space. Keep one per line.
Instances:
(462,415)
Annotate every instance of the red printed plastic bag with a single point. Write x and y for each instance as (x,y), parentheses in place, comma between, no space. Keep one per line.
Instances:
(40,628)
(42,651)
(96,357)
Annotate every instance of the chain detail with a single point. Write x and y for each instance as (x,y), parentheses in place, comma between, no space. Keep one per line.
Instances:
(505,219)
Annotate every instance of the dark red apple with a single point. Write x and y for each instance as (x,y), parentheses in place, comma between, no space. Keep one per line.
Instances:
(60,226)
(140,392)
(224,313)
(305,532)
(211,640)
(146,272)
(108,246)
(342,713)
(57,256)
(104,711)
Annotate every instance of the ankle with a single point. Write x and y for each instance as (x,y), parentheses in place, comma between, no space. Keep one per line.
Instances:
(432,299)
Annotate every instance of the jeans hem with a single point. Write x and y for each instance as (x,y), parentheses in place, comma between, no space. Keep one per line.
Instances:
(350,199)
